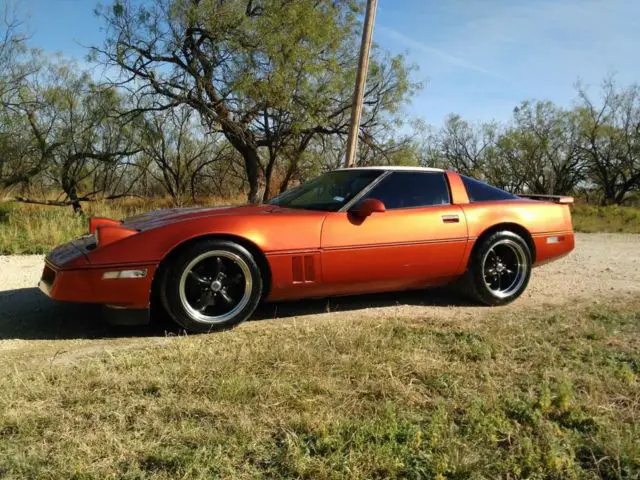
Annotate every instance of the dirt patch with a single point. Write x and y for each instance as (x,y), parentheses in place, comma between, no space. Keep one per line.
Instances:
(602,267)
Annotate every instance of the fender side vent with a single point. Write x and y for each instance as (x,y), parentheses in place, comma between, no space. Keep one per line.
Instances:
(303,269)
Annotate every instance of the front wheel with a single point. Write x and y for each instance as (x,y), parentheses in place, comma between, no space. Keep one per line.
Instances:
(499,268)
(212,285)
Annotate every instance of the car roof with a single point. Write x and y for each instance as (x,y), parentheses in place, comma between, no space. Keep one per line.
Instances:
(397,169)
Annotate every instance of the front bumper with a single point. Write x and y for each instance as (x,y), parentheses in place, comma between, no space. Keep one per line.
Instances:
(68,276)
(47,280)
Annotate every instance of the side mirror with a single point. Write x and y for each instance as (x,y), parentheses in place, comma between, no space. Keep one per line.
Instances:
(366,207)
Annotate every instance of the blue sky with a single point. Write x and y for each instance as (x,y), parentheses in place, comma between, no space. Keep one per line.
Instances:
(479,58)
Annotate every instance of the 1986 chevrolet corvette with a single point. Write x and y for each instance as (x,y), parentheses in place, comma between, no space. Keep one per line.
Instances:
(349,231)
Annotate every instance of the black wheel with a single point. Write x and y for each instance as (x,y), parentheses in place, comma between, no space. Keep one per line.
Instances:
(499,269)
(212,285)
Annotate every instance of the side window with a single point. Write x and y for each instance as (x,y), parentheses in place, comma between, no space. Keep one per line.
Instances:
(411,189)
(481,192)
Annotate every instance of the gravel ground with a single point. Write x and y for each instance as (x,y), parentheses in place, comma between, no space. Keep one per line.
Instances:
(602,267)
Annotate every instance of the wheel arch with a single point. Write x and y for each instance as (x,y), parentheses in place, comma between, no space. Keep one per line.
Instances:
(254,249)
(510,227)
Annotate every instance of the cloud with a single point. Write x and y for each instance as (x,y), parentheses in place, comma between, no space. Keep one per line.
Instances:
(483,57)
(546,40)
(422,47)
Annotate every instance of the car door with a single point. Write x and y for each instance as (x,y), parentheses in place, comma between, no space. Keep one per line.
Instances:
(418,241)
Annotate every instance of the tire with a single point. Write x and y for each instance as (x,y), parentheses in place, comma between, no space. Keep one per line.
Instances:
(211,285)
(499,269)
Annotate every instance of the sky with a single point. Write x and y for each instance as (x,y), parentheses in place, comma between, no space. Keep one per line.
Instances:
(477,58)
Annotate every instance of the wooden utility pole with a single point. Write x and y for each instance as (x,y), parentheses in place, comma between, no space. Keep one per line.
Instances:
(361,80)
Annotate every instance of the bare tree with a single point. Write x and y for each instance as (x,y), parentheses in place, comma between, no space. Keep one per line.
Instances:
(80,140)
(14,65)
(180,151)
(463,146)
(610,139)
(19,159)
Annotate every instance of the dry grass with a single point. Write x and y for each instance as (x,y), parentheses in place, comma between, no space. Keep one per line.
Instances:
(546,393)
(612,219)
(27,228)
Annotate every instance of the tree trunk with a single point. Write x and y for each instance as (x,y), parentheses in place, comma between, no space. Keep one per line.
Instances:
(609,195)
(268,174)
(293,166)
(251,159)
(295,160)
(75,203)
(252,162)
(193,188)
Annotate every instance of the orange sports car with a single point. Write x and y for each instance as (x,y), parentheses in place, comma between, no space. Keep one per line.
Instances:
(349,231)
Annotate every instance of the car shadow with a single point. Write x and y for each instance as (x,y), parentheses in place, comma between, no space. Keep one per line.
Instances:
(28,314)
(433,297)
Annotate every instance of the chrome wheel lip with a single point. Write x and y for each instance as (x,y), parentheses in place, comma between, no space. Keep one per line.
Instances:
(520,267)
(198,316)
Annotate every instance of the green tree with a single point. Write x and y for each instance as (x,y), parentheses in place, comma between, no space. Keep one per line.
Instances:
(463,146)
(509,166)
(548,137)
(78,135)
(270,75)
(14,65)
(19,159)
(537,152)
(610,140)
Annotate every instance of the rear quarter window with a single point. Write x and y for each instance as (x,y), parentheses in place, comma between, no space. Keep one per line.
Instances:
(412,190)
(482,192)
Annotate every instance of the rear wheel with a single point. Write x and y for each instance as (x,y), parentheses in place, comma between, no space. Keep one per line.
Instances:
(499,268)
(212,285)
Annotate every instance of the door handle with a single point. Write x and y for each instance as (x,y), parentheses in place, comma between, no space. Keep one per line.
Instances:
(450,218)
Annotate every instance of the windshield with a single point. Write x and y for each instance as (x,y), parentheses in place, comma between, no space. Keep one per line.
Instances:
(329,192)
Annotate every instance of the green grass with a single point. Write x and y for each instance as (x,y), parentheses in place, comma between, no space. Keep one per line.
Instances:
(26,229)
(546,393)
(613,219)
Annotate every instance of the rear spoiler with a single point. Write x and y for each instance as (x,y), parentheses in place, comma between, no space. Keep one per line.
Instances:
(549,198)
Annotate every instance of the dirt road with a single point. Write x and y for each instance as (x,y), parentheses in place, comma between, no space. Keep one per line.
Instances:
(602,267)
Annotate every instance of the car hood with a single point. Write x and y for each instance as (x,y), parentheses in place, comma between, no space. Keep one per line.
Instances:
(160,218)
